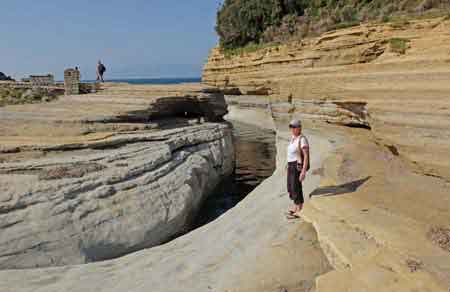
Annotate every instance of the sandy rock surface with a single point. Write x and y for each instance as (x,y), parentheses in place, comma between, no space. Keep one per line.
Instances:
(94,177)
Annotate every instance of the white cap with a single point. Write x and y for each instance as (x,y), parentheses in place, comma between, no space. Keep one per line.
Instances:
(295,124)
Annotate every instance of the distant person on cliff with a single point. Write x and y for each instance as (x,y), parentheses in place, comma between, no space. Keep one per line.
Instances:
(297,166)
(100,71)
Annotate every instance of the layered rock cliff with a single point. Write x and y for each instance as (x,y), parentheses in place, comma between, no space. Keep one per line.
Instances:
(94,177)
(392,78)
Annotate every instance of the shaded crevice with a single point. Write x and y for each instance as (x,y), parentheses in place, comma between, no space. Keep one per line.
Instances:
(16,207)
(166,107)
(38,246)
(393,150)
(353,125)
(356,107)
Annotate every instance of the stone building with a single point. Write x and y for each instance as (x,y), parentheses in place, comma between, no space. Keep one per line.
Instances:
(72,81)
(42,80)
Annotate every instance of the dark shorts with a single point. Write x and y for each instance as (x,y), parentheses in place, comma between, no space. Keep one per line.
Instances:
(294,186)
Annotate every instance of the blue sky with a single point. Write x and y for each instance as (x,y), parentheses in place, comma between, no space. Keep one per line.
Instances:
(134,38)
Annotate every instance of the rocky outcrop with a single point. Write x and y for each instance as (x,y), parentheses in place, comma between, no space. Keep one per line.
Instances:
(91,178)
(3,77)
(392,78)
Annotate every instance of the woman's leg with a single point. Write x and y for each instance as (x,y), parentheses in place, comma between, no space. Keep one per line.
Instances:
(291,177)
(299,199)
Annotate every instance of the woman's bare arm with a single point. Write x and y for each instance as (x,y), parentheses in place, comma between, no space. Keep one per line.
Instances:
(304,162)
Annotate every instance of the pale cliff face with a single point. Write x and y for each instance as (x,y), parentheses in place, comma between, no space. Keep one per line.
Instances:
(391,78)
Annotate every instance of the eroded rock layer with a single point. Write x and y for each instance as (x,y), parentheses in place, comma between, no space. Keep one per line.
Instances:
(94,177)
(393,78)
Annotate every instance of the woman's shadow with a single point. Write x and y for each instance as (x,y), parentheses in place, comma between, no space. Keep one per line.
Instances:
(346,188)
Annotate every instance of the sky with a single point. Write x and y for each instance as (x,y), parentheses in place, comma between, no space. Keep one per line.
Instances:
(133,38)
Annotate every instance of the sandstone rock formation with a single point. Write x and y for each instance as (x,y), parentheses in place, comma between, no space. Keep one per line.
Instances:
(392,78)
(95,177)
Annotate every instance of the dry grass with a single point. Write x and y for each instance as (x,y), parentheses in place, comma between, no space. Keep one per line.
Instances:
(10,95)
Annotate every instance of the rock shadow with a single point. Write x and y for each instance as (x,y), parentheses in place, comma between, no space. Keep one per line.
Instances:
(346,188)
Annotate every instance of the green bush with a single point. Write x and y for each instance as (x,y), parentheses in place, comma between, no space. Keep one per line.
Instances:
(241,22)
(385,18)
(348,14)
(399,45)
(342,25)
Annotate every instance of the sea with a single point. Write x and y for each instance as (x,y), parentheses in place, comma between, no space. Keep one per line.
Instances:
(152,80)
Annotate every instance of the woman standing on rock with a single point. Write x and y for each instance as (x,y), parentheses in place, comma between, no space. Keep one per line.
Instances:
(298,165)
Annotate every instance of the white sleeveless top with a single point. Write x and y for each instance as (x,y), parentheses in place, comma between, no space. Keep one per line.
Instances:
(292,150)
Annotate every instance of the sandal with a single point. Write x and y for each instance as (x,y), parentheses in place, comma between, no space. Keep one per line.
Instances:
(293,216)
(290,211)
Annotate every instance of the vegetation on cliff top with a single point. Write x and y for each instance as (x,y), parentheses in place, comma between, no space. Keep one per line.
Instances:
(11,95)
(256,22)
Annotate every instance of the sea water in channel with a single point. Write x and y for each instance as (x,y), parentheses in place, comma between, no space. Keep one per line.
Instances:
(255,161)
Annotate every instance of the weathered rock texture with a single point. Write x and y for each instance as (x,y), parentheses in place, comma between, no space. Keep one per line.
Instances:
(95,177)
(392,78)
(249,248)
